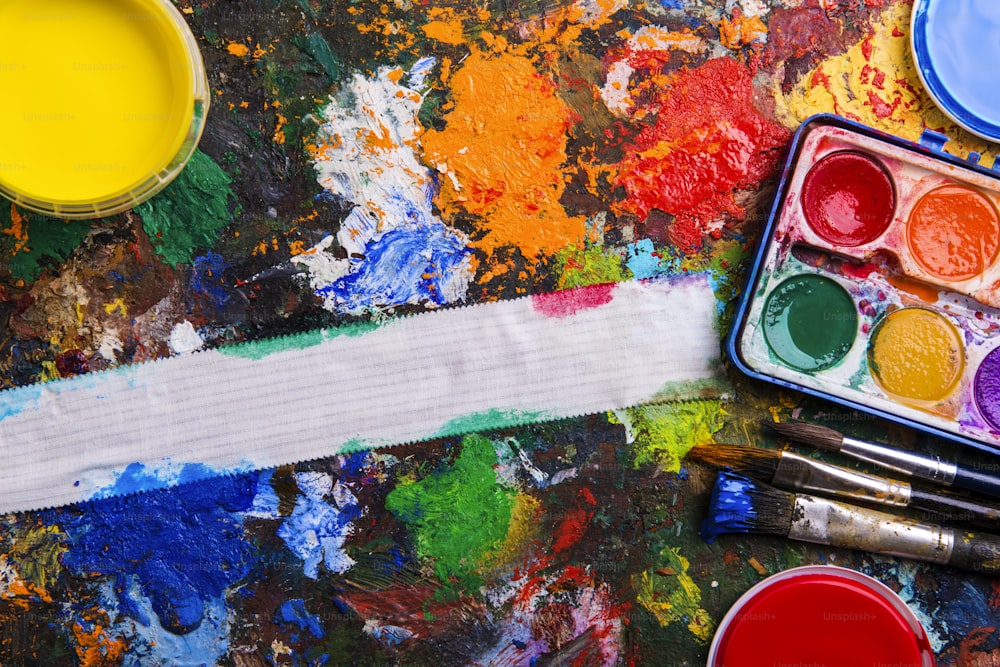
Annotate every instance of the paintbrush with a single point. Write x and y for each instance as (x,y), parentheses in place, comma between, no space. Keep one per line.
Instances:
(929,468)
(788,470)
(742,505)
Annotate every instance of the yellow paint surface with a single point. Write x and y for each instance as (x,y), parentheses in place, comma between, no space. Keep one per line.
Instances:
(98,95)
(917,354)
(875,82)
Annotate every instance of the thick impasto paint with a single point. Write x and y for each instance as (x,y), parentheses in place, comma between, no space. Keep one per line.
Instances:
(364,161)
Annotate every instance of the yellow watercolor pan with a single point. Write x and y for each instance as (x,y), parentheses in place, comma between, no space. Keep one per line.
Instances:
(105,101)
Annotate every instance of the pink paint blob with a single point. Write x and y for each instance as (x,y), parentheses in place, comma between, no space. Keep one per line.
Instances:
(569,302)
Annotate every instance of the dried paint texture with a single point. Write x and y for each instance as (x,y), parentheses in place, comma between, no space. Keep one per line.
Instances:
(663,434)
(708,142)
(501,154)
(669,593)
(320,524)
(29,242)
(460,516)
(591,265)
(875,83)
(397,250)
(189,214)
(174,551)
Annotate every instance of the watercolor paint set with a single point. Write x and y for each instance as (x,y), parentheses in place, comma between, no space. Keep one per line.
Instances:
(876,284)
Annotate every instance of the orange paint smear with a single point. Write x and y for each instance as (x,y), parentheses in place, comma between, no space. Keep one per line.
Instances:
(501,155)
(953,232)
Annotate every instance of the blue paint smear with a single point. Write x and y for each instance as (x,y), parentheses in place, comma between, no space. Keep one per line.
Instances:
(183,546)
(730,509)
(137,477)
(208,280)
(316,532)
(294,613)
(963,607)
(641,260)
(412,264)
(672,4)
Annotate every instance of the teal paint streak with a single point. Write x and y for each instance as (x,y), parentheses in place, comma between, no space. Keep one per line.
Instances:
(490,420)
(263,348)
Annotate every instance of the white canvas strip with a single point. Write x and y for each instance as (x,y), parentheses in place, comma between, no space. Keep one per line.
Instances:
(412,379)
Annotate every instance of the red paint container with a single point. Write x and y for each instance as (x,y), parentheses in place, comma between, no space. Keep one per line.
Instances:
(820,615)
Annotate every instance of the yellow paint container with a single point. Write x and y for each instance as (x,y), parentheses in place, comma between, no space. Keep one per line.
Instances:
(104,103)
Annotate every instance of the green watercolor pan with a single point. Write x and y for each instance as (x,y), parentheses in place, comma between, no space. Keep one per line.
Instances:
(876,284)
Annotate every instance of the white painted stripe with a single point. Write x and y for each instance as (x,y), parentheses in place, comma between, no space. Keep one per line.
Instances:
(406,381)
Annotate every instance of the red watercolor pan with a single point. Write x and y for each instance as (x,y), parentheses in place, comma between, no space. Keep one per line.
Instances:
(820,615)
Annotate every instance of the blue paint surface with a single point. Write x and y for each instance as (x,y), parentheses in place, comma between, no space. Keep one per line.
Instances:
(412,264)
(316,530)
(642,261)
(183,547)
(294,613)
(956,50)
(730,509)
(208,280)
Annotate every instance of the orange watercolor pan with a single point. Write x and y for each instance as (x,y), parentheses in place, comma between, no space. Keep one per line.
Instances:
(876,284)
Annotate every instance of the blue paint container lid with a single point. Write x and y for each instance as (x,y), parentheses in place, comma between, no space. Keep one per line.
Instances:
(956,48)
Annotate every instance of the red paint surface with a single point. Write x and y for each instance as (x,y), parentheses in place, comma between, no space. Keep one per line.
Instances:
(823,620)
(708,141)
(848,199)
(568,302)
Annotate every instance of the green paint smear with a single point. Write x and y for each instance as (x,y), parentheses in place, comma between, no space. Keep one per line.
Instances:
(40,241)
(664,433)
(460,516)
(490,420)
(669,593)
(580,267)
(188,215)
(263,348)
(319,50)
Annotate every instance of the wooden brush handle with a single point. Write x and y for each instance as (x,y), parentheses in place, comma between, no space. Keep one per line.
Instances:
(977,552)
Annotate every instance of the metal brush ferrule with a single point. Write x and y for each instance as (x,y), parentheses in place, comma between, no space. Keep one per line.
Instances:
(924,467)
(803,473)
(829,522)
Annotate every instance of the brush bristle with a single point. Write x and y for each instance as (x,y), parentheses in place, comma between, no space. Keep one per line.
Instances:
(753,461)
(821,437)
(741,505)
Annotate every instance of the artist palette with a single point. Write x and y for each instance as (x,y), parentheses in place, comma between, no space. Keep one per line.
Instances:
(877,282)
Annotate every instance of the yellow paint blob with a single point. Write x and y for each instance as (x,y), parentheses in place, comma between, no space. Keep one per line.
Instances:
(98,97)
(917,355)
(875,82)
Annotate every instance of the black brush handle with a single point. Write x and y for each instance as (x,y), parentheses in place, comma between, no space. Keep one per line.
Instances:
(977,482)
(953,507)
(977,552)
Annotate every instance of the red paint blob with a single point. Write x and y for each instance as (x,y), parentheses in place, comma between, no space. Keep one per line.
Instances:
(709,141)
(570,301)
(820,615)
(848,199)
